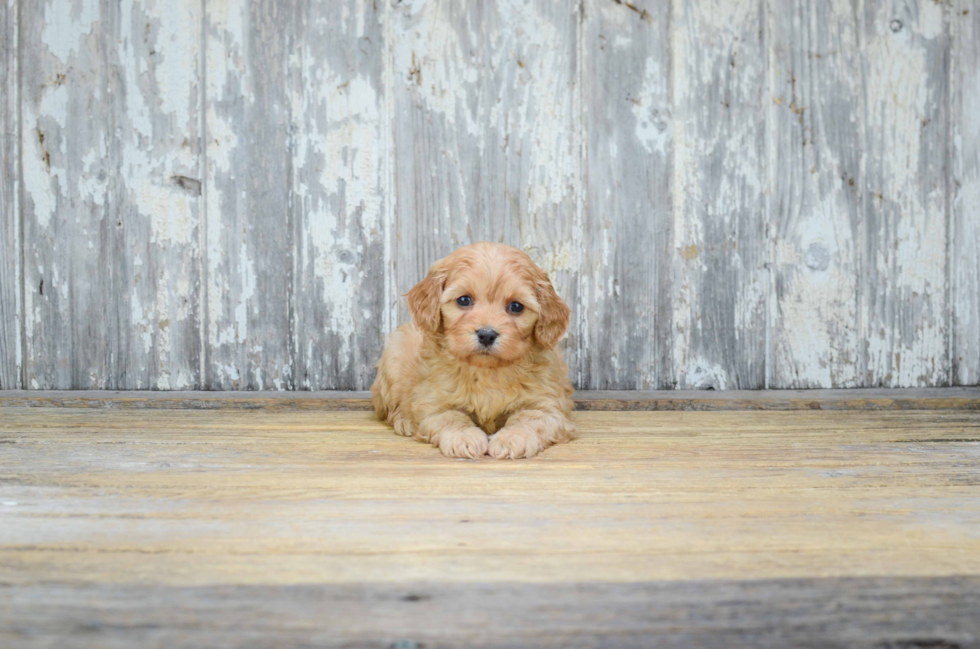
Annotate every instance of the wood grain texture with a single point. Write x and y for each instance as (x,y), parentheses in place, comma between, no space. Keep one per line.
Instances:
(337,194)
(720,253)
(233,195)
(200,528)
(250,221)
(111,203)
(295,234)
(10,251)
(626,254)
(965,193)
(900,613)
(484,133)
(195,498)
(904,299)
(158,168)
(817,210)
(603,400)
(69,221)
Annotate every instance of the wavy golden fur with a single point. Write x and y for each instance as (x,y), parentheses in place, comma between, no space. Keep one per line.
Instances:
(439,384)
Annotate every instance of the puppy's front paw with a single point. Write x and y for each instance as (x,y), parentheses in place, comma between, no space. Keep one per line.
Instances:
(466,442)
(513,442)
(404,427)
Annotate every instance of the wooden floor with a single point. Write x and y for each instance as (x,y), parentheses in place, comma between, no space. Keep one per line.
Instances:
(259,528)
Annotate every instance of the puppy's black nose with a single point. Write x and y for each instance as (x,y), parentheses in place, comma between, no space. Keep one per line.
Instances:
(486,336)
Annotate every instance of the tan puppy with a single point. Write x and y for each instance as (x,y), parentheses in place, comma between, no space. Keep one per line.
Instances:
(479,358)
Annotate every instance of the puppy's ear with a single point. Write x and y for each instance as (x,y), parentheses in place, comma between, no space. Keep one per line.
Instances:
(554,315)
(424,300)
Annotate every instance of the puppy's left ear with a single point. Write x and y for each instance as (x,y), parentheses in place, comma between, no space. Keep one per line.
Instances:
(425,298)
(554,315)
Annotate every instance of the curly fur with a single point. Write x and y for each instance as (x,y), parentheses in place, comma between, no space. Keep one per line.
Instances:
(437,384)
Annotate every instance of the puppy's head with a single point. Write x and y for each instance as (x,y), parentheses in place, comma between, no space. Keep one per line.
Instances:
(491,304)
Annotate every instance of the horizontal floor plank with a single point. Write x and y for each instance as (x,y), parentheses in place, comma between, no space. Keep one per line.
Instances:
(199,497)
(895,613)
(965,398)
(276,527)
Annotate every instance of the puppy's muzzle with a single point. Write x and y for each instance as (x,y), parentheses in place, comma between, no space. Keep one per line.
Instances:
(487,336)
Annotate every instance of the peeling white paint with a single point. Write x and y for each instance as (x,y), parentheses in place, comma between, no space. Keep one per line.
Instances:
(719,194)
(61,26)
(965,223)
(652,111)
(621,42)
(497,112)
(44,178)
(911,251)
(702,374)
(444,70)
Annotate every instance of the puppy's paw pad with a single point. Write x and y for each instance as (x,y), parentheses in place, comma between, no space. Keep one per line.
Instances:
(514,444)
(469,443)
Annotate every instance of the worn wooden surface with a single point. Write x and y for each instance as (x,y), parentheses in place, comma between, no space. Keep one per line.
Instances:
(249,232)
(898,612)
(10,257)
(815,200)
(111,107)
(227,528)
(234,195)
(720,250)
(339,194)
(964,233)
(905,324)
(624,312)
(604,400)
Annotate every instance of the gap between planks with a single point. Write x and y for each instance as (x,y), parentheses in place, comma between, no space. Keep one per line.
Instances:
(857,399)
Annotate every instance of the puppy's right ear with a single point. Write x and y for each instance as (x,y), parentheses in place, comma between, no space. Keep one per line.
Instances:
(425,299)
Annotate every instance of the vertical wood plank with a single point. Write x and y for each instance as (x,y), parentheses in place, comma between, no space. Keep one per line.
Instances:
(69,221)
(485,132)
(627,245)
(250,256)
(965,190)
(720,252)
(904,280)
(156,149)
(111,177)
(10,257)
(338,158)
(816,154)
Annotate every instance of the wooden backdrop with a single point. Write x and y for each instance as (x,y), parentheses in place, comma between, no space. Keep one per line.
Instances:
(234,194)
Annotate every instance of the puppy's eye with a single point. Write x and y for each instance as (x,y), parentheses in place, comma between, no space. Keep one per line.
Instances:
(464,300)
(515,308)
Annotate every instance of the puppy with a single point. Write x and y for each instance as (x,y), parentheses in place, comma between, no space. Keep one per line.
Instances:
(479,358)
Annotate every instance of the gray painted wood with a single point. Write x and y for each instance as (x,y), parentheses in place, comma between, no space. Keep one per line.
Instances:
(816,206)
(896,612)
(250,218)
(111,191)
(295,234)
(720,259)
(485,133)
(964,185)
(903,294)
(235,195)
(337,201)
(949,399)
(10,257)
(625,305)
(67,231)
(158,164)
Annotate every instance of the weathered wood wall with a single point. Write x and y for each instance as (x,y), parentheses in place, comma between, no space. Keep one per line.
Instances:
(234,194)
